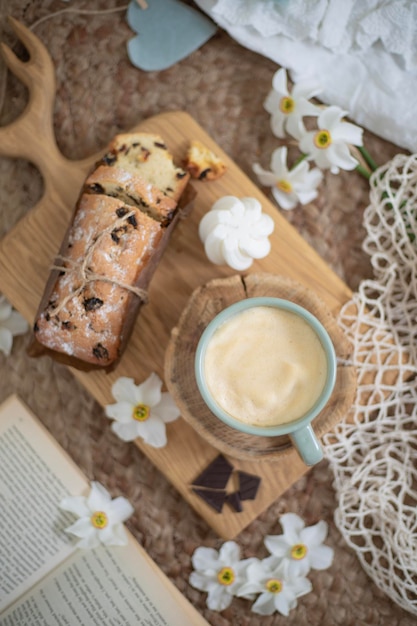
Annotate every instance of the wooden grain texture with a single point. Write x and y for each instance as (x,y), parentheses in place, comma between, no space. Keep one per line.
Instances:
(26,254)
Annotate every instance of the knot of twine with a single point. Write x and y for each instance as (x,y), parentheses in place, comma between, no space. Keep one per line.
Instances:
(86,275)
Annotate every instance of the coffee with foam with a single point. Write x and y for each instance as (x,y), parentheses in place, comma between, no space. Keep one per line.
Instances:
(265,366)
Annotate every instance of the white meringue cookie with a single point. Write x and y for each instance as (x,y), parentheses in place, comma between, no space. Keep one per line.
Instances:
(235,231)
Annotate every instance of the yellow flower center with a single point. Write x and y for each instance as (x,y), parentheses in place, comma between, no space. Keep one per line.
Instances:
(286,105)
(99,520)
(226,576)
(274,585)
(284,185)
(322,139)
(141,412)
(298,551)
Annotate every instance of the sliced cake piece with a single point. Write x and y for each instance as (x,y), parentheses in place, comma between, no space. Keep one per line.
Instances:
(133,189)
(148,155)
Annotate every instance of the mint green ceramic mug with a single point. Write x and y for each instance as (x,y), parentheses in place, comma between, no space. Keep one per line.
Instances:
(266,366)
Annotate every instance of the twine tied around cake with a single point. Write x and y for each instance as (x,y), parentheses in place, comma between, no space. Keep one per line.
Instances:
(86,275)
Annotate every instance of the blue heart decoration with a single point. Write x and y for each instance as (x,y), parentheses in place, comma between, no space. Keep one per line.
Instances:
(168,31)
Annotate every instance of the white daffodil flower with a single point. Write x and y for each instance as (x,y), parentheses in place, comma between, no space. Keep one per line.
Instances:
(220,573)
(289,187)
(287,109)
(141,410)
(329,145)
(100,518)
(277,589)
(11,324)
(235,232)
(300,546)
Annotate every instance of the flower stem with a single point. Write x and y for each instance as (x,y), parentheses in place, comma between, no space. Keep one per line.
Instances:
(300,158)
(364,152)
(363,171)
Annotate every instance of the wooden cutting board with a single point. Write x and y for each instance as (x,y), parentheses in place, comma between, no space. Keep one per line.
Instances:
(27,251)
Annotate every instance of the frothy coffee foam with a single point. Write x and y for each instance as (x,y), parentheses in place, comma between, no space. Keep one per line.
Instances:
(265,366)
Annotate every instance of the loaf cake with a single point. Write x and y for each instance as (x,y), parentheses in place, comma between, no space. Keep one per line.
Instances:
(99,279)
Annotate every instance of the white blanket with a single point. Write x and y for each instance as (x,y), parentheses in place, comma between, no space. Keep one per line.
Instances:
(362,52)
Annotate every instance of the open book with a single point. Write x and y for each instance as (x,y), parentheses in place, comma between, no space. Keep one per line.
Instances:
(44,579)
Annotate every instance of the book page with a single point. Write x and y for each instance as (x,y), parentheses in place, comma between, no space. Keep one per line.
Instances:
(105,587)
(44,579)
(35,474)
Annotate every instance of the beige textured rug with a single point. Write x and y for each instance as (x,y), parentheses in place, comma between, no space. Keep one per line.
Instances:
(223,86)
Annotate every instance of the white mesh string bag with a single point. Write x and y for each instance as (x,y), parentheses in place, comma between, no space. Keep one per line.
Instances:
(373,452)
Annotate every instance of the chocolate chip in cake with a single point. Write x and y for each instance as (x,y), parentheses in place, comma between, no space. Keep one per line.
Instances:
(132,221)
(117,232)
(181,174)
(95,188)
(92,304)
(121,211)
(100,352)
(109,158)
(204,173)
(158,144)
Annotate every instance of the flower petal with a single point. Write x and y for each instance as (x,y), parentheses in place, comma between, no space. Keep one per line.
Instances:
(150,390)
(280,82)
(278,120)
(286,201)
(119,510)
(229,553)
(113,535)
(153,432)
(81,528)
(284,603)
(292,525)
(200,581)
(265,604)
(299,567)
(5,309)
(205,558)
(314,535)
(121,411)
(166,409)
(16,324)
(271,103)
(126,432)
(279,162)
(330,116)
(90,542)
(99,498)
(350,133)
(124,390)
(76,505)
(218,598)
(321,557)
(6,341)
(339,155)
(268,179)
(277,545)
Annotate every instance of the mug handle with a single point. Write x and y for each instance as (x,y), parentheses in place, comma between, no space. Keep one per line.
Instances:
(307,445)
